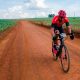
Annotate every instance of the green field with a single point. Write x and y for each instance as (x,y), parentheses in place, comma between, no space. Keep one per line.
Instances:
(74,21)
(6,23)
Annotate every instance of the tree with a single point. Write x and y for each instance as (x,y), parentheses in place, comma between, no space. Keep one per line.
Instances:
(51,15)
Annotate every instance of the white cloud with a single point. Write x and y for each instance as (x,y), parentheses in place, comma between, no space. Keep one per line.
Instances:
(25,10)
(41,4)
(35,4)
(15,8)
(73,9)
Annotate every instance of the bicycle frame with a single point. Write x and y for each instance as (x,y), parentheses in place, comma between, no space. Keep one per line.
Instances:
(61,42)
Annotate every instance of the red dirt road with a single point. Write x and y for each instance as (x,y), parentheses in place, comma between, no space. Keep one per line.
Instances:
(25,54)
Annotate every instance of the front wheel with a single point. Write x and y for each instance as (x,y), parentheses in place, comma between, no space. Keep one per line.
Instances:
(53,52)
(65,59)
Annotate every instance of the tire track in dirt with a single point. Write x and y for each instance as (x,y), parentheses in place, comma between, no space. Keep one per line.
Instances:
(10,58)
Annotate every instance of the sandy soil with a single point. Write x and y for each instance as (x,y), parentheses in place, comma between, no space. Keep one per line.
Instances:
(25,54)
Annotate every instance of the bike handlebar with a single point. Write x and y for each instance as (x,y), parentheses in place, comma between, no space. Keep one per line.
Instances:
(61,36)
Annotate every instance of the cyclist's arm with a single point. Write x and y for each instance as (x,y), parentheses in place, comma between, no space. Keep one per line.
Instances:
(53,26)
(70,31)
(52,29)
(69,27)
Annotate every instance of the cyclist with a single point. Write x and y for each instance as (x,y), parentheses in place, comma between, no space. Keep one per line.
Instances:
(56,28)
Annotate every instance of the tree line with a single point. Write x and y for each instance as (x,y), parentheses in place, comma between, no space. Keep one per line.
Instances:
(51,15)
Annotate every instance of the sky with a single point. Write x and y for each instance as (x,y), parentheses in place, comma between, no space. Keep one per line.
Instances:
(11,9)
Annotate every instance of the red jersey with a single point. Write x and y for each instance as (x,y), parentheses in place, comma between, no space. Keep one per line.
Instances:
(56,21)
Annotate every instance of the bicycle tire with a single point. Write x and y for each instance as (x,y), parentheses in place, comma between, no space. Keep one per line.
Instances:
(68,59)
(54,57)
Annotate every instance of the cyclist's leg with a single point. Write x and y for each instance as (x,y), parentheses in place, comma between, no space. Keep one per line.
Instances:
(60,43)
(54,46)
(55,42)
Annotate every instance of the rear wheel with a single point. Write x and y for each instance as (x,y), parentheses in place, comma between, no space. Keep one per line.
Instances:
(65,59)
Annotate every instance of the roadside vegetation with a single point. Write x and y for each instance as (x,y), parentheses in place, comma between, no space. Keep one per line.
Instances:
(6,23)
(74,21)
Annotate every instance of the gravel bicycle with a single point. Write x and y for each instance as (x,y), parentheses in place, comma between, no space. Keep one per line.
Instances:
(63,53)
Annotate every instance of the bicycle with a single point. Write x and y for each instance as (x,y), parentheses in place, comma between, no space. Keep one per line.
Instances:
(64,54)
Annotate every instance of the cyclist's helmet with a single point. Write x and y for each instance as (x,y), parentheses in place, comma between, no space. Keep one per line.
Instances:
(62,13)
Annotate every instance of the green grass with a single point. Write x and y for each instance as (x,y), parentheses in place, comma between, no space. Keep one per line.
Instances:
(74,21)
(44,20)
(6,23)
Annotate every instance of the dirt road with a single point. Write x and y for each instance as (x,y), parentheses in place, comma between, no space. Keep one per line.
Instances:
(25,54)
